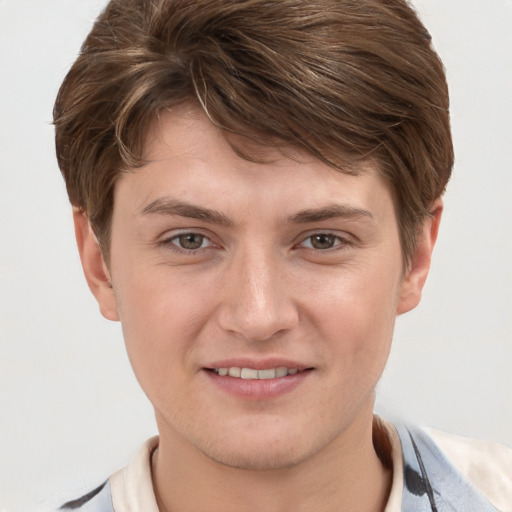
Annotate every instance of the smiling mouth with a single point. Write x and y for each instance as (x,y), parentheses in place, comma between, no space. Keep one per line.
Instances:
(252,374)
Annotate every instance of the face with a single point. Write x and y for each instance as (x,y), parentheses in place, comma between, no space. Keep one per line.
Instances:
(257,300)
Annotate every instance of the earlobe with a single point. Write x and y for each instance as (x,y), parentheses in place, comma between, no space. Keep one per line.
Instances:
(94,267)
(414,280)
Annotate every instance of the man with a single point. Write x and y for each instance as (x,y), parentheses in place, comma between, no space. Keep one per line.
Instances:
(257,192)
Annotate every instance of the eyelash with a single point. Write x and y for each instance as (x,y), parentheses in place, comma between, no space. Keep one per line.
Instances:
(339,242)
(172,242)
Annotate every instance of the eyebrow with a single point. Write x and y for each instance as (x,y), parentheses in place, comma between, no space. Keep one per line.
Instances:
(183,209)
(332,211)
(164,206)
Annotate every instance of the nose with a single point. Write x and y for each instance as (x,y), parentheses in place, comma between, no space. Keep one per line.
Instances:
(257,302)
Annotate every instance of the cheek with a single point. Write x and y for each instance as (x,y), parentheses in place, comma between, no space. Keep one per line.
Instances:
(355,314)
(160,316)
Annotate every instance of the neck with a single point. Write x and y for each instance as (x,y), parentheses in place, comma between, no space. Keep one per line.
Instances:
(347,475)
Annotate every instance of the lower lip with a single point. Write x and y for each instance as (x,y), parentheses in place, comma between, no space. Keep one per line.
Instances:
(253,389)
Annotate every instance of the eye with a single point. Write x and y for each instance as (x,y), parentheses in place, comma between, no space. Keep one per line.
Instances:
(190,241)
(323,241)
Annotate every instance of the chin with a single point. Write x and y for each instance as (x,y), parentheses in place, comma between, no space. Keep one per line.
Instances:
(257,459)
(261,449)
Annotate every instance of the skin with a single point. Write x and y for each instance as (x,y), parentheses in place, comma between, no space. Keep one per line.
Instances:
(295,261)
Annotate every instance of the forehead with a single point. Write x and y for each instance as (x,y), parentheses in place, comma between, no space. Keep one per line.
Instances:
(186,130)
(189,159)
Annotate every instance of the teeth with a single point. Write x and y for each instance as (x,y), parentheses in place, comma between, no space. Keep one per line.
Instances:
(234,372)
(266,374)
(252,374)
(248,374)
(281,372)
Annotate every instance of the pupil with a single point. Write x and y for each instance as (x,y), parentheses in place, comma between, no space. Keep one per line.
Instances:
(323,241)
(191,241)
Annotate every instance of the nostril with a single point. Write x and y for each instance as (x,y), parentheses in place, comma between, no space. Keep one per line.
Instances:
(256,310)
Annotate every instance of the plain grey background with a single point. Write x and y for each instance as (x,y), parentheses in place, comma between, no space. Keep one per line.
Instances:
(70,409)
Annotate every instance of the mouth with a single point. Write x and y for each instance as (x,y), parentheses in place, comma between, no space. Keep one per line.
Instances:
(253,374)
(265,382)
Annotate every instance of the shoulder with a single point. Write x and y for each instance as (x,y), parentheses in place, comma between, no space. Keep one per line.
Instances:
(128,489)
(451,471)
(485,465)
(96,500)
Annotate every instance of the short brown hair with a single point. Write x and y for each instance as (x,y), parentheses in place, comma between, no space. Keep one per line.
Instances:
(347,80)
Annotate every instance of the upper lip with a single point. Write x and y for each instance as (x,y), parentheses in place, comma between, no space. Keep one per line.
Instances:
(257,364)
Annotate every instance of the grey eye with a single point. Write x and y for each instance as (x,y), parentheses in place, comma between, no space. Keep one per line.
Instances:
(323,241)
(190,241)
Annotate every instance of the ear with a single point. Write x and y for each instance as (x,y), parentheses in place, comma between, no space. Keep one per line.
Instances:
(416,275)
(93,264)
